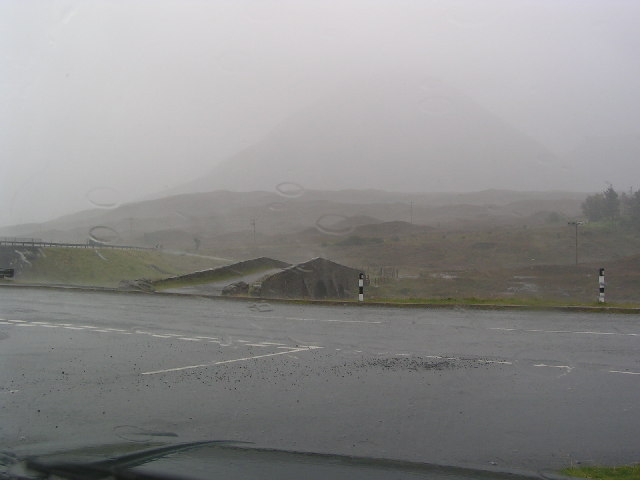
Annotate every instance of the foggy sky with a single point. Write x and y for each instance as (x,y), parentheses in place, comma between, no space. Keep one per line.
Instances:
(141,96)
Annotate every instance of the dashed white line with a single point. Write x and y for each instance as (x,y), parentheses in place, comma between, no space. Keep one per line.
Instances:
(189,339)
(566,367)
(68,328)
(625,373)
(211,364)
(256,345)
(298,319)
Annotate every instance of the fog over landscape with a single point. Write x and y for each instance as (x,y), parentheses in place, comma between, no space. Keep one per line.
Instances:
(149,99)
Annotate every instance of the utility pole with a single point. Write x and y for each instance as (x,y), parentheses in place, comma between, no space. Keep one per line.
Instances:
(576,224)
(253,224)
(411,213)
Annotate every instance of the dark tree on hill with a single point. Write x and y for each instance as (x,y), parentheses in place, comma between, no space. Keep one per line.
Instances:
(602,206)
(611,203)
(593,207)
(633,208)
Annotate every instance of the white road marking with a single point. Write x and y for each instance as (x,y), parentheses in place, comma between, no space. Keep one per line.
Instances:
(242,341)
(565,331)
(495,361)
(567,367)
(68,328)
(271,343)
(103,331)
(211,364)
(207,338)
(17,321)
(115,329)
(256,345)
(41,323)
(25,325)
(189,339)
(625,373)
(50,326)
(298,319)
(5,323)
(162,336)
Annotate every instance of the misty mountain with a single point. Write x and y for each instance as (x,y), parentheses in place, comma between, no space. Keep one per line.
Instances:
(394,135)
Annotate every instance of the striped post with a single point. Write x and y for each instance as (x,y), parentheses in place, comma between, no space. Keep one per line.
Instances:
(361,287)
(601,283)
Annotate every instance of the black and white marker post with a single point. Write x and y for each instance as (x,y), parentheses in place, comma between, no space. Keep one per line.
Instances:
(361,287)
(601,283)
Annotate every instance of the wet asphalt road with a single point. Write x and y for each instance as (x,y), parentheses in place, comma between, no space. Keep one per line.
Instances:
(504,390)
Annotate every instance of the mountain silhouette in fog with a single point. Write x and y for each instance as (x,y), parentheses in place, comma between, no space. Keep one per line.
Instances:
(392,135)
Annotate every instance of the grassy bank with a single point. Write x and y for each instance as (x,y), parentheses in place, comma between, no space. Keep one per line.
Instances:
(626,472)
(105,267)
(220,274)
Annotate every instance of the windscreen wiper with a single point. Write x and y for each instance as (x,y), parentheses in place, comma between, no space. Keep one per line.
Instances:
(119,468)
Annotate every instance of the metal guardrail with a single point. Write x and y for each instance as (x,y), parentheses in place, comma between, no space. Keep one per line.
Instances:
(39,243)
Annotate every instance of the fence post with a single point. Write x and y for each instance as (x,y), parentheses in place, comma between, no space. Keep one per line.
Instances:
(601,284)
(361,287)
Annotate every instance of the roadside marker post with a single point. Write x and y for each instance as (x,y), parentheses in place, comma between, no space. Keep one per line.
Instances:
(361,287)
(601,284)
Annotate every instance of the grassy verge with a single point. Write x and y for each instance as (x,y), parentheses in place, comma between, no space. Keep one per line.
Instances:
(626,472)
(531,302)
(212,276)
(225,273)
(105,267)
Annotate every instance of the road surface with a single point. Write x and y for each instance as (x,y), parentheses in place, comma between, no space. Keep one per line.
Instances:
(503,390)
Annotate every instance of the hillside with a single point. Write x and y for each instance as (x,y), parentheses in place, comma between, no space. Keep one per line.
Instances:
(202,220)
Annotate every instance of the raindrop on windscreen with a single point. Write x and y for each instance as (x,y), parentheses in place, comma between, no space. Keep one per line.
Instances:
(302,269)
(103,197)
(290,189)
(436,105)
(334,224)
(103,234)
(138,434)
(261,307)
(277,206)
